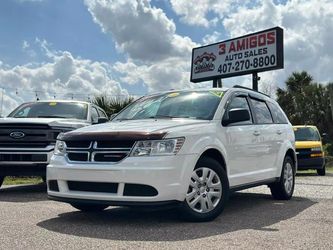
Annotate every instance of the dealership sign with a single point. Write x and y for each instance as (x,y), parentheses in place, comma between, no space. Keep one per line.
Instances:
(252,53)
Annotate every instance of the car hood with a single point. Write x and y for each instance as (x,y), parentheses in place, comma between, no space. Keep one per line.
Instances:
(53,122)
(145,126)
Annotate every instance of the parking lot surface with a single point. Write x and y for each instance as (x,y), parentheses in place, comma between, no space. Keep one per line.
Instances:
(251,220)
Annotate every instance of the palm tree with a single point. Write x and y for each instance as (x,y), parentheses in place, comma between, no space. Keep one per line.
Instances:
(112,105)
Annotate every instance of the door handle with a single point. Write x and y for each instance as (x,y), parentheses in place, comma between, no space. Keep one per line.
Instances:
(256,133)
(279,132)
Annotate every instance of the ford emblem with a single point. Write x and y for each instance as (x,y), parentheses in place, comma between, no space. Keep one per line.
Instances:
(17,135)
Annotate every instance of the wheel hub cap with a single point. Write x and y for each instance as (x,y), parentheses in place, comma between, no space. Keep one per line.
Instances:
(205,190)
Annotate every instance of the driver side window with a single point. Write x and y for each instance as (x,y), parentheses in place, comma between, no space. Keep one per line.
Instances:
(236,103)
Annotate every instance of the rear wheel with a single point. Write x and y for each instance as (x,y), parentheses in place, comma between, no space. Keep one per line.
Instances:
(89,207)
(284,188)
(322,171)
(1,180)
(207,193)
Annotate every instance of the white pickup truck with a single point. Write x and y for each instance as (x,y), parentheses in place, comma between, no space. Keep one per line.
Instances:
(28,134)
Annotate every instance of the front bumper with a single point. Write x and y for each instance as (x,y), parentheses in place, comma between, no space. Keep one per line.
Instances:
(311,163)
(25,162)
(168,175)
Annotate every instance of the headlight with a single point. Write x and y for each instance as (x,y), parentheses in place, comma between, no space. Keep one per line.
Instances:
(316,149)
(60,148)
(158,147)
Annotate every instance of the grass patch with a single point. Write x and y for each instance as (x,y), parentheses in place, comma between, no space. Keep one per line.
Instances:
(329,169)
(22,180)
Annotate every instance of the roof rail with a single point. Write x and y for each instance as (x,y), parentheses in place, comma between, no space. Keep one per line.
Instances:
(242,87)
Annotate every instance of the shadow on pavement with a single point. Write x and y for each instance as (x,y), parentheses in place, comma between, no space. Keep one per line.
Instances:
(23,193)
(244,211)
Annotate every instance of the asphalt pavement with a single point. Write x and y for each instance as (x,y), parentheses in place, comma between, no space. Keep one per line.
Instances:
(252,220)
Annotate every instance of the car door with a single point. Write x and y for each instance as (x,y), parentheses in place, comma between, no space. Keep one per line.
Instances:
(266,142)
(240,143)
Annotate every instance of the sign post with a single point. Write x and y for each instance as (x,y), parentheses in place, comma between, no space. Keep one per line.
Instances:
(249,54)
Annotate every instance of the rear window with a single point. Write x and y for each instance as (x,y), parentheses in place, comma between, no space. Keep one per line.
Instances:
(261,112)
(277,114)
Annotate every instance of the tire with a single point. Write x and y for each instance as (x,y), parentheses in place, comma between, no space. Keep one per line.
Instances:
(89,207)
(284,188)
(1,179)
(322,172)
(206,196)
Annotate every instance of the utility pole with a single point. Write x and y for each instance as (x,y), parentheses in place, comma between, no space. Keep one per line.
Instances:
(255,79)
(217,83)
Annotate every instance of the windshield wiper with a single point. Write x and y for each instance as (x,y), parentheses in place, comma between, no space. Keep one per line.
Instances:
(50,116)
(161,116)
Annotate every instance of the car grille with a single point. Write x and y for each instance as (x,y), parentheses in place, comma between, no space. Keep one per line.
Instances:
(35,135)
(98,151)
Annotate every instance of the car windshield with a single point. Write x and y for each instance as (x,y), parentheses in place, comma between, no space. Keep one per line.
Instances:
(306,134)
(72,110)
(186,104)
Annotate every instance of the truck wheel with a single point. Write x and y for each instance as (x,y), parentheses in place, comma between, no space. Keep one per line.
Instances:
(1,179)
(89,207)
(322,171)
(284,188)
(207,193)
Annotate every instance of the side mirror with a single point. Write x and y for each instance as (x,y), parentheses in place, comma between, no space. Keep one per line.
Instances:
(113,116)
(237,115)
(102,120)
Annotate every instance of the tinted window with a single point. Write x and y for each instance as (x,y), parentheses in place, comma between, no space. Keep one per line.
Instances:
(306,134)
(277,114)
(51,110)
(261,112)
(238,102)
(184,104)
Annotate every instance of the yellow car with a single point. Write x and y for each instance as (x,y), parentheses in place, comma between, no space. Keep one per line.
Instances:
(309,149)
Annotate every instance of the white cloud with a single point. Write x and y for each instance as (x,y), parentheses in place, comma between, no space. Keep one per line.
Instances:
(165,75)
(197,13)
(140,30)
(157,55)
(25,45)
(308,34)
(308,30)
(63,76)
(212,38)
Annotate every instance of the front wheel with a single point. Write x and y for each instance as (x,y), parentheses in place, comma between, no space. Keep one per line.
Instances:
(207,193)
(322,171)
(284,188)
(89,207)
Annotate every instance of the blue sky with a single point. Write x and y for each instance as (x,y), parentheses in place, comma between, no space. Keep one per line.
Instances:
(120,47)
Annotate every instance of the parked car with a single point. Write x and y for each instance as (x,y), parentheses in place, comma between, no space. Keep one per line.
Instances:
(309,149)
(28,134)
(187,148)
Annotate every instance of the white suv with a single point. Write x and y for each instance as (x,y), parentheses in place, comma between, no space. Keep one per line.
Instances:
(190,148)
